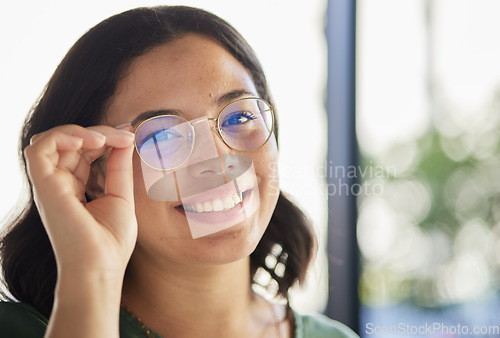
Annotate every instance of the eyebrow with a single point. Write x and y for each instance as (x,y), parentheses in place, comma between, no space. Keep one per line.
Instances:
(226,98)
(152,113)
(232,95)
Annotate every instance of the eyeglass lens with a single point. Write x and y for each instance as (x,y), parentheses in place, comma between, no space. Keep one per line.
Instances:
(166,142)
(246,124)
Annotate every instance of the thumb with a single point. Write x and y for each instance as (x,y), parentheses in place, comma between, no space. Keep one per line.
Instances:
(119,176)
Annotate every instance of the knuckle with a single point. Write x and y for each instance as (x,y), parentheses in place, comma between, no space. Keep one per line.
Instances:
(28,151)
(35,137)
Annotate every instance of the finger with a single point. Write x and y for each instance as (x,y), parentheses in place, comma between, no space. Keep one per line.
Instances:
(91,138)
(72,148)
(57,150)
(78,163)
(116,138)
(125,126)
(54,154)
(34,137)
(119,176)
(42,156)
(96,140)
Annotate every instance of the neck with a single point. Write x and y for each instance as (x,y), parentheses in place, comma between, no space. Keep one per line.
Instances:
(171,297)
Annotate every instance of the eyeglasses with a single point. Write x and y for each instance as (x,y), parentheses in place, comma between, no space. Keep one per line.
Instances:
(166,142)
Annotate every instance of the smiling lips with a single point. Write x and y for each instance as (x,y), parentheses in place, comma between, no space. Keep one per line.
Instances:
(215,205)
(222,207)
(215,215)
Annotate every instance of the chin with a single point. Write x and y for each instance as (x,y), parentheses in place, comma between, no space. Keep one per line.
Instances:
(228,245)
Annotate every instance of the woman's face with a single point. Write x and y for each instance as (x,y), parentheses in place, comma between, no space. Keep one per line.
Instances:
(197,77)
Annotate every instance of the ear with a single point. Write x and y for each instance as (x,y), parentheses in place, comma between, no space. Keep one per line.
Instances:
(97,180)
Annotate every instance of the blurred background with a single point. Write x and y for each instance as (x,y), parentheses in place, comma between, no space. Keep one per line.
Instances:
(426,93)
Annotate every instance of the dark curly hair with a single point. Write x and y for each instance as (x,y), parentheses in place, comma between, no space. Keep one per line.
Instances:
(78,93)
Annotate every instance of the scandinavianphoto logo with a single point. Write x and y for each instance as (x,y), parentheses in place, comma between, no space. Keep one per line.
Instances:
(339,180)
(356,180)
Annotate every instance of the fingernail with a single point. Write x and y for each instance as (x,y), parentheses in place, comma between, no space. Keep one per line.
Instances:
(126,132)
(98,134)
(123,125)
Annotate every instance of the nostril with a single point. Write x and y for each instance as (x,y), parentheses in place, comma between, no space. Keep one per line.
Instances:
(207,172)
(207,168)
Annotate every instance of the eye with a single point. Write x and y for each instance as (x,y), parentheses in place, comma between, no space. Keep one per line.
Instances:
(238,118)
(160,137)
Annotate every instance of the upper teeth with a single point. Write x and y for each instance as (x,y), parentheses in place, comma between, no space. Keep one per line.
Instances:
(214,205)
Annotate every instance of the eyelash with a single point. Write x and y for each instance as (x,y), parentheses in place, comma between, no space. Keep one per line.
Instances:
(245,114)
(153,134)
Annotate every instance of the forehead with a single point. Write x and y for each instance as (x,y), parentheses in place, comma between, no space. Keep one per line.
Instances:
(187,74)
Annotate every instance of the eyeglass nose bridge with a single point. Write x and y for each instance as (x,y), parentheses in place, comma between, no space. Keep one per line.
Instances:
(215,128)
(201,120)
(213,119)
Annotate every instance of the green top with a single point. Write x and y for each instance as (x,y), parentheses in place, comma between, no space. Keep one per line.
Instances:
(18,320)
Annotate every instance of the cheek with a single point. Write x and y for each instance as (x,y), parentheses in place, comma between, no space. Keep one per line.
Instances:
(148,212)
(145,208)
(140,195)
(139,187)
(266,168)
(266,161)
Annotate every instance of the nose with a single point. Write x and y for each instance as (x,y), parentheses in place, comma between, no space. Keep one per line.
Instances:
(206,169)
(208,152)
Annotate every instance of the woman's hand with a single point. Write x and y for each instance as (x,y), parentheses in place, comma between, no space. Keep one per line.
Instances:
(92,241)
(98,236)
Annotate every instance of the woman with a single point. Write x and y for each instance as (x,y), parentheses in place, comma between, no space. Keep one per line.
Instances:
(154,212)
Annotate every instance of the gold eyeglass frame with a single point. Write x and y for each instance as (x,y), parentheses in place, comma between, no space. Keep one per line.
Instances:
(217,129)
